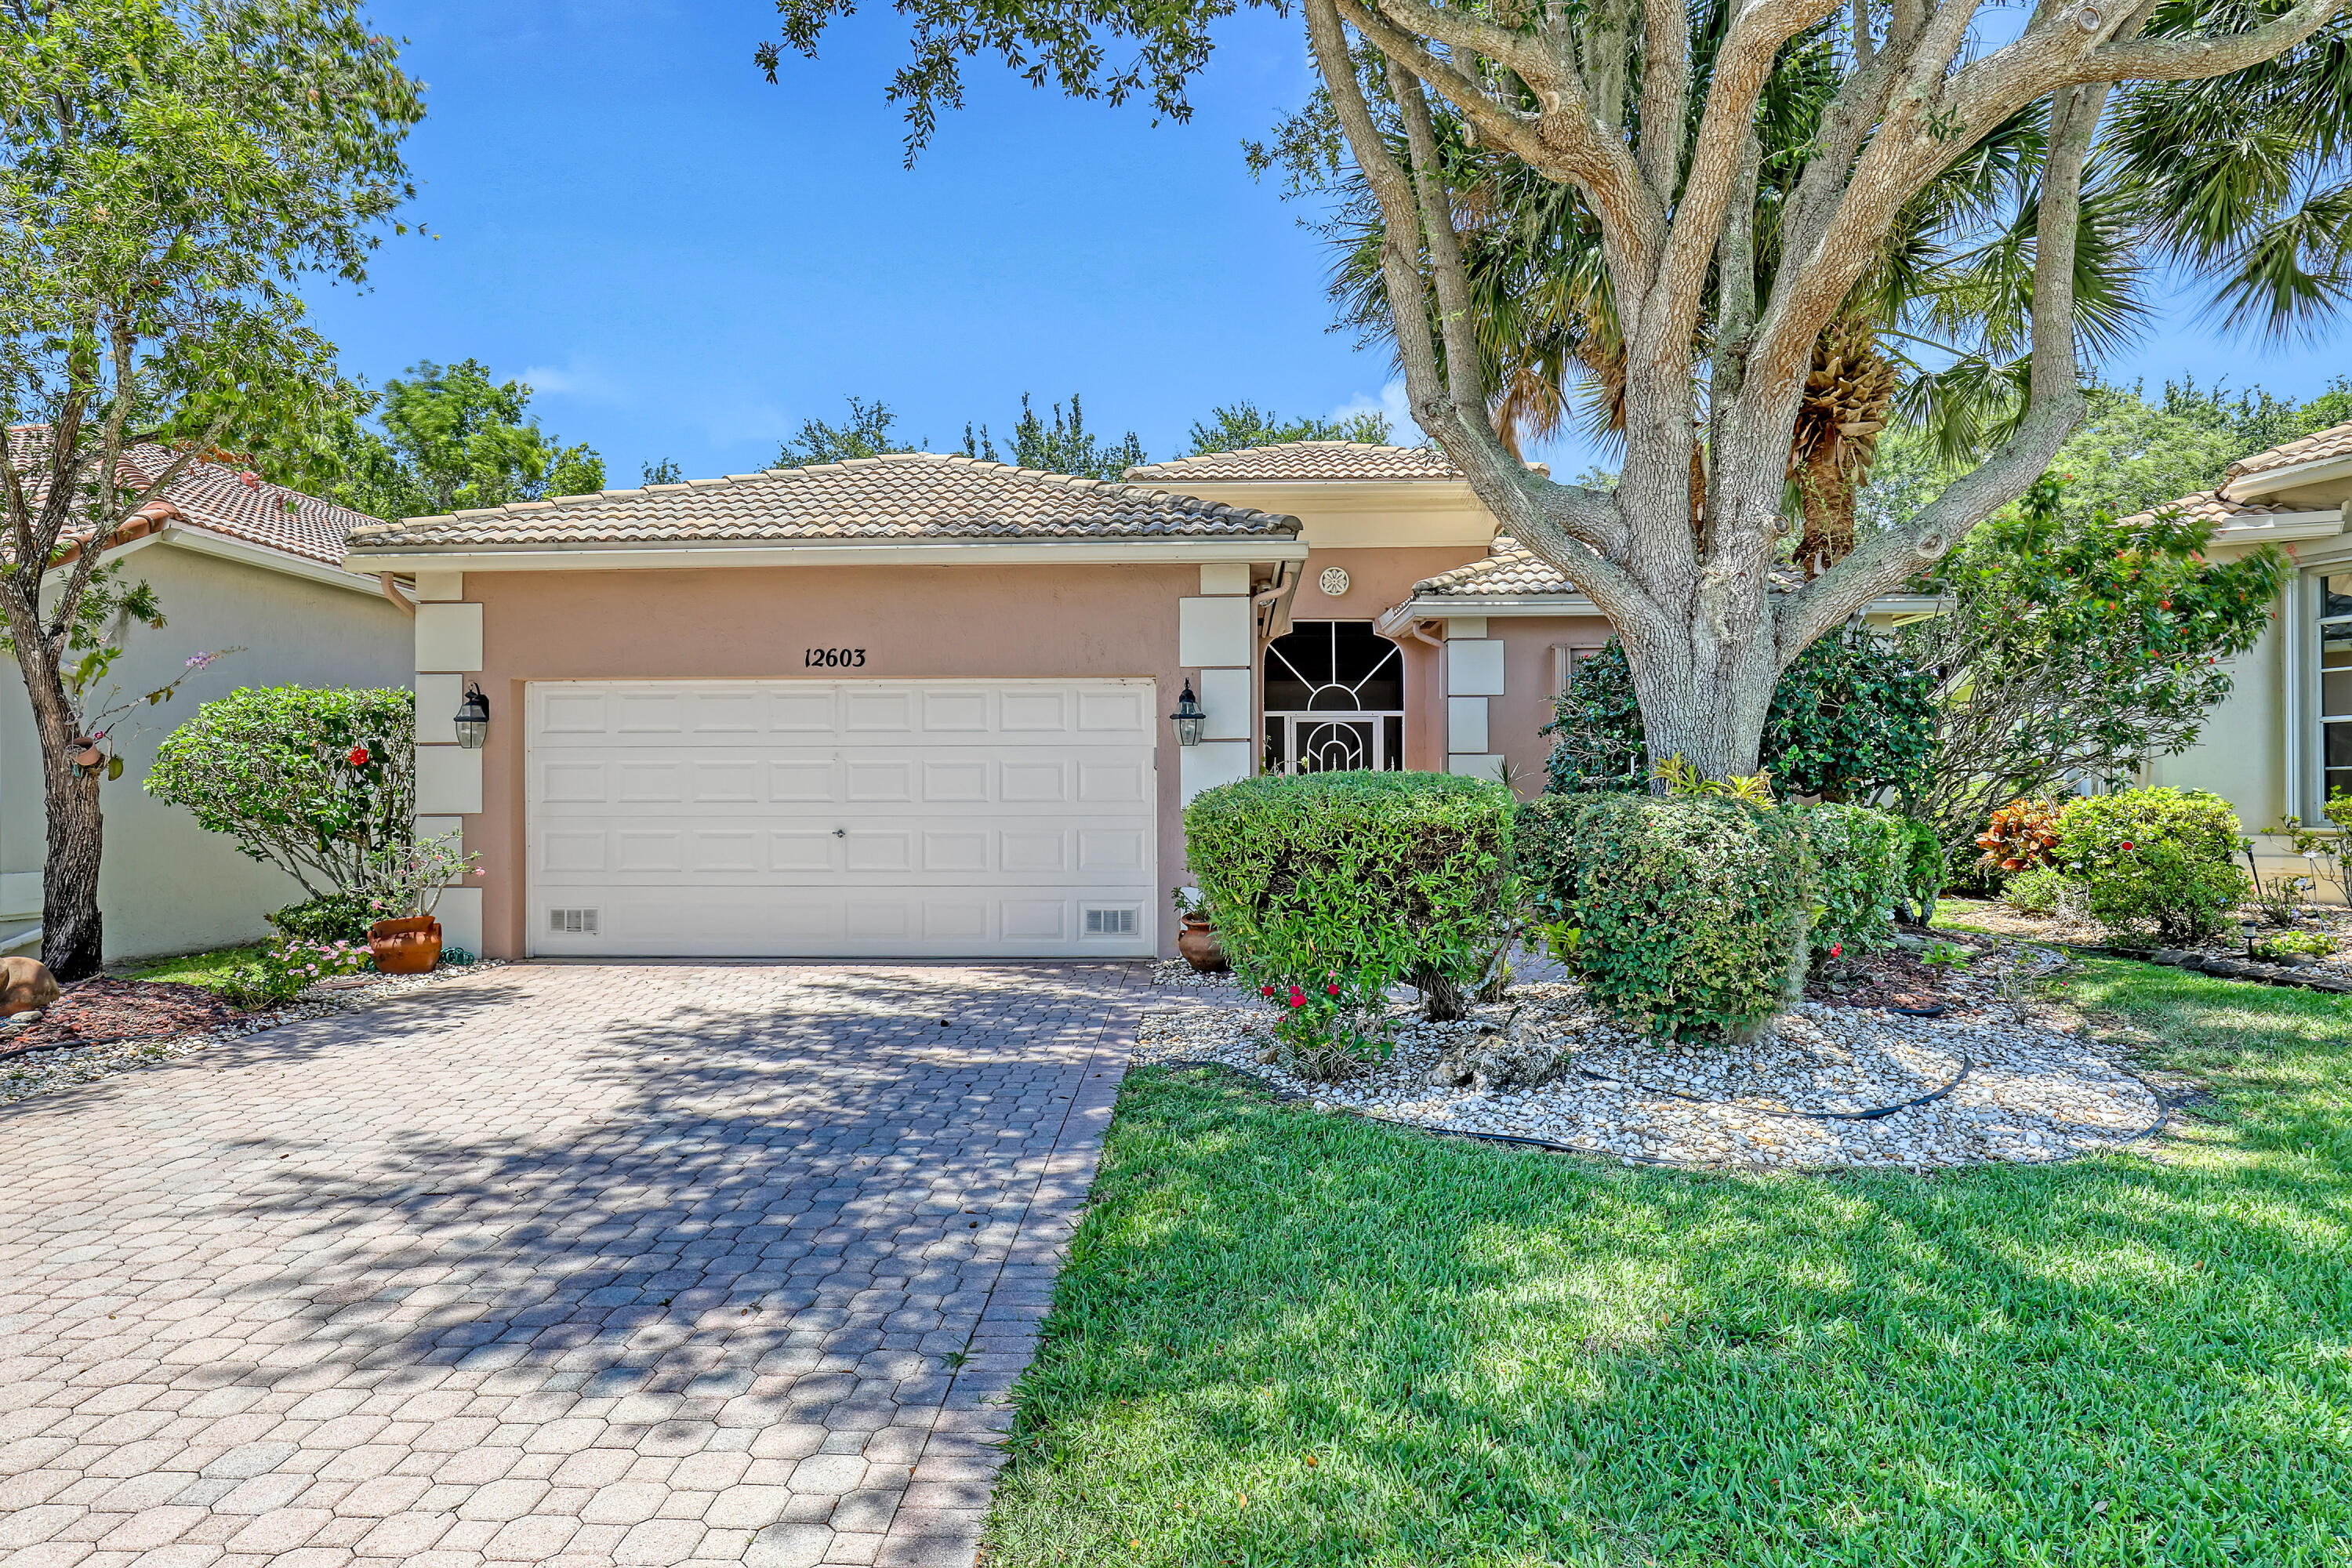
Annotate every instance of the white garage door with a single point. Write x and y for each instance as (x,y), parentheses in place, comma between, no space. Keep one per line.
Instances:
(851,818)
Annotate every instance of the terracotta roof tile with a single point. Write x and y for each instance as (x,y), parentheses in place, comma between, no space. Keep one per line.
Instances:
(2213,507)
(1512,570)
(1303,460)
(214,497)
(907,497)
(2335,441)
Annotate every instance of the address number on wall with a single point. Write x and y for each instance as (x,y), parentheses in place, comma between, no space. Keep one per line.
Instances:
(832,658)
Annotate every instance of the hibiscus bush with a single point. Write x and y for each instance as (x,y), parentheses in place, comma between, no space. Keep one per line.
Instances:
(317,782)
(2154,863)
(1327,889)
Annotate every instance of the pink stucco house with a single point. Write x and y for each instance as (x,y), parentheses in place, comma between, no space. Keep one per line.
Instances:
(920,705)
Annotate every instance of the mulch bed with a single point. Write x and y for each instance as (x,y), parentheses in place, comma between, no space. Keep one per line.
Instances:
(1889,979)
(102,1010)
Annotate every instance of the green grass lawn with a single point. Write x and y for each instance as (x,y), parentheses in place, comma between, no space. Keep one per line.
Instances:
(207,969)
(1286,1337)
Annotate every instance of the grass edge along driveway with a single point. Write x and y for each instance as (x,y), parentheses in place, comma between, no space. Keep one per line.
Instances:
(1287,1337)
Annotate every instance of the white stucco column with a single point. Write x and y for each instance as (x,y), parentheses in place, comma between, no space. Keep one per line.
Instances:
(1474,675)
(1216,644)
(448,776)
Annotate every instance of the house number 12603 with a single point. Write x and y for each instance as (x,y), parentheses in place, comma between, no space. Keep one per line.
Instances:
(832,658)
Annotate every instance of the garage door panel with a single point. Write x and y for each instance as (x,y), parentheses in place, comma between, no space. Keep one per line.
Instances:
(652,714)
(956,783)
(843,818)
(813,711)
(649,784)
(802,782)
(957,711)
(879,712)
(572,782)
(733,781)
(1104,783)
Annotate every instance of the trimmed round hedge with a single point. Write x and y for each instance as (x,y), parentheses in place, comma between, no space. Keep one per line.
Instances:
(1692,911)
(2159,863)
(1354,881)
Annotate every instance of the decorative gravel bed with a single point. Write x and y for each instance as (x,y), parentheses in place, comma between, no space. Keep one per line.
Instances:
(1829,1084)
(1999,917)
(147,1021)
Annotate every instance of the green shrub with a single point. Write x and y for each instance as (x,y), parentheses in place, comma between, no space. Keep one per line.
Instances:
(337,917)
(1692,910)
(2041,891)
(285,968)
(2159,862)
(2311,943)
(315,782)
(1925,869)
(1861,861)
(1327,889)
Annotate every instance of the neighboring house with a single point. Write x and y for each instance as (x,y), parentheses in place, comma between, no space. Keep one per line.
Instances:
(919,705)
(235,563)
(2282,744)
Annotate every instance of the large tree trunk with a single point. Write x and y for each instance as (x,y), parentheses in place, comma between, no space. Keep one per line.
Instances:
(1702,699)
(72,939)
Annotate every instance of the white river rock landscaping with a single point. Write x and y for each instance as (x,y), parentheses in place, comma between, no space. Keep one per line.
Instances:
(2000,1081)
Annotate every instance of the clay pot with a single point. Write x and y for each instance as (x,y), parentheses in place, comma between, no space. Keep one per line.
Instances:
(410,945)
(1200,948)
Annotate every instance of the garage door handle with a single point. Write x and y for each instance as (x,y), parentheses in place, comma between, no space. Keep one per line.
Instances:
(841,833)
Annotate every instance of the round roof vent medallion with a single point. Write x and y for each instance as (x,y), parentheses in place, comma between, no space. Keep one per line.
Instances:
(1334,581)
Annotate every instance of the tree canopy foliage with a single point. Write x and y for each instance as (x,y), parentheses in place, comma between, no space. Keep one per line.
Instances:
(1231,427)
(442,439)
(171,175)
(1746,234)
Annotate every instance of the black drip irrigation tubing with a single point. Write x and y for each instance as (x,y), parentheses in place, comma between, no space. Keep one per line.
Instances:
(1927,1099)
(1281,1096)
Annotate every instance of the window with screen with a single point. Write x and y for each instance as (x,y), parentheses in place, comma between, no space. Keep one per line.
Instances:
(2336,683)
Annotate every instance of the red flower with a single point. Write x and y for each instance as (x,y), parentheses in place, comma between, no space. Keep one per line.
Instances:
(359,755)
(1265,990)
(1297,997)
(2127,843)
(1332,989)
(1836,948)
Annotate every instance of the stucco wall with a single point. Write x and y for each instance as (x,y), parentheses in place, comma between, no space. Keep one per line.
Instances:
(2241,754)
(915,623)
(165,885)
(1526,705)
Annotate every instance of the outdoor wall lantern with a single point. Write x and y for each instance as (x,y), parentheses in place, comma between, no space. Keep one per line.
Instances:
(473,720)
(1187,718)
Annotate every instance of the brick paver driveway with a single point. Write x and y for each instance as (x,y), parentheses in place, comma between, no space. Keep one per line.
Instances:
(646,1264)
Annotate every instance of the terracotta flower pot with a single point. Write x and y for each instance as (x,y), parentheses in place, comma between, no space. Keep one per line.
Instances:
(1200,948)
(410,945)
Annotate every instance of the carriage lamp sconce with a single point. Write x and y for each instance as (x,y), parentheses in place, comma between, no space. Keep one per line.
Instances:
(1187,718)
(473,720)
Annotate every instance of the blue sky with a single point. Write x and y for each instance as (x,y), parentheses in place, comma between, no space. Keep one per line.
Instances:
(686,261)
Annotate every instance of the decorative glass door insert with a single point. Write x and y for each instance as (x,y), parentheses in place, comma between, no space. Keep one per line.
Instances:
(2336,685)
(1334,699)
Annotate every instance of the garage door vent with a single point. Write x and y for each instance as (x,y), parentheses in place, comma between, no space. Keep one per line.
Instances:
(1110,922)
(572,923)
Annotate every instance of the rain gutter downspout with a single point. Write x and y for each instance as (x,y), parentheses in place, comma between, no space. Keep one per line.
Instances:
(392,591)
